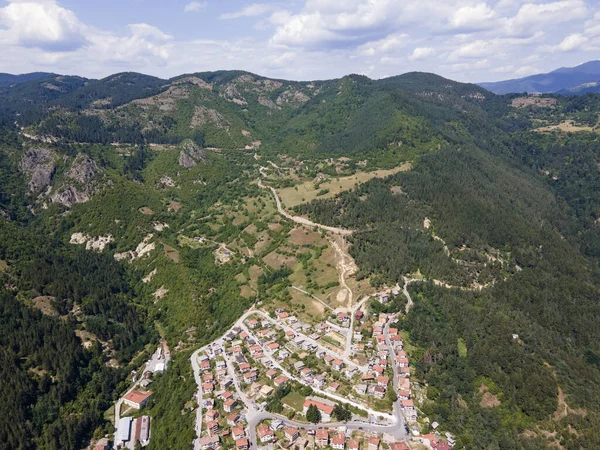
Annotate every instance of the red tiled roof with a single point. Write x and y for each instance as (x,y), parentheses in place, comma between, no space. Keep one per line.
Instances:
(137,396)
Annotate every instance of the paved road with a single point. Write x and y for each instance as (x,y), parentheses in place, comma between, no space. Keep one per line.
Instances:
(397,404)
(255,414)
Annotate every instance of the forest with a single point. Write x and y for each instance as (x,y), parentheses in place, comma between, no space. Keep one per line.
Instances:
(498,222)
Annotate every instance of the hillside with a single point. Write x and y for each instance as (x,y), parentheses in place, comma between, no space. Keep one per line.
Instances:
(135,208)
(566,80)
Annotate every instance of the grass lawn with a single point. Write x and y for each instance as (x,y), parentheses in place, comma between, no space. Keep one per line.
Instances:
(306,191)
(294,400)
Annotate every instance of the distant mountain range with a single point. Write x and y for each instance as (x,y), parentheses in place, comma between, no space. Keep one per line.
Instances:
(566,80)
(7,79)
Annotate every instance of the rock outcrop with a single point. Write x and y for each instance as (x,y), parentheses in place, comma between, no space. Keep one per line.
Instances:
(80,183)
(191,154)
(38,164)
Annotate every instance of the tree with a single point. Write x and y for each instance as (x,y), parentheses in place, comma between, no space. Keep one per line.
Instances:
(342,414)
(313,415)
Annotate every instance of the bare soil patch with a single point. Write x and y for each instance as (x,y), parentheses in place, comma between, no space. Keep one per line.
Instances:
(304,236)
(539,102)
(44,304)
(277,261)
(146,210)
(171,253)
(174,206)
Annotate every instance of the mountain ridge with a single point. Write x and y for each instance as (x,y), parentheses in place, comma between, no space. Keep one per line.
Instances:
(570,80)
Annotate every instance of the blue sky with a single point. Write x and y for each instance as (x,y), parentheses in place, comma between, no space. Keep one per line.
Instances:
(466,40)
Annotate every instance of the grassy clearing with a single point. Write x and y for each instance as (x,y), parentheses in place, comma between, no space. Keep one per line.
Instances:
(305,236)
(276,260)
(294,400)
(306,192)
(567,126)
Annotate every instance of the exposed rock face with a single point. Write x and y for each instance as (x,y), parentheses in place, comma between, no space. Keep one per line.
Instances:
(83,169)
(267,102)
(203,115)
(69,195)
(167,181)
(94,244)
(290,96)
(38,164)
(191,154)
(83,173)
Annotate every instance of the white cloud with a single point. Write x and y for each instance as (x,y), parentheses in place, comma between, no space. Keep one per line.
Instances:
(194,6)
(592,26)
(571,42)
(472,17)
(421,53)
(308,39)
(526,70)
(388,44)
(43,25)
(253,10)
(533,16)
(470,66)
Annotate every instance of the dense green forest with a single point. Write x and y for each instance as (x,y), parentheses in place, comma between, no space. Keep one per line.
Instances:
(503,218)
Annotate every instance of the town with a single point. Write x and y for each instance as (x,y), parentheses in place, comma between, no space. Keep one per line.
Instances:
(273,380)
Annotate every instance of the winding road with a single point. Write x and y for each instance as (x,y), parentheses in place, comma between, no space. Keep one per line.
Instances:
(301,220)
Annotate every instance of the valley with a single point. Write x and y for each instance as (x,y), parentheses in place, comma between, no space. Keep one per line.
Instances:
(377,243)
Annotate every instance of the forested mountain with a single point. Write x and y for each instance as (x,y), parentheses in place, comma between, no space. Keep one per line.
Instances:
(581,79)
(7,79)
(130,211)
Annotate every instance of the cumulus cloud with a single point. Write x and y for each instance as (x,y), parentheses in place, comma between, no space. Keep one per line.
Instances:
(533,16)
(388,44)
(472,17)
(421,53)
(43,25)
(307,39)
(194,6)
(571,42)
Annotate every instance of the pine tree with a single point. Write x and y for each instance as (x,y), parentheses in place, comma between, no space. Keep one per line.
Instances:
(313,415)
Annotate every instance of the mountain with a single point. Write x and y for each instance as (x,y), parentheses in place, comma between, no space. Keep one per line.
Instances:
(568,80)
(133,210)
(6,79)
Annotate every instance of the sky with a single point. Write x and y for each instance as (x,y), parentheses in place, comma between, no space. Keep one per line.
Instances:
(465,40)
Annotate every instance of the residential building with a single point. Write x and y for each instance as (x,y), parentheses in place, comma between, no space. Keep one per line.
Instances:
(211,414)
(325,409)
(353,444)
(250,377)
(265,434)
(399,446)
(382,381)
(233,418)
(373,443)
(281,379)
(229,404)
(322,437)
(238,433)
(210,442)
(241,444)
(338,442)
(291,434)
(337,364)
(212,427)
(137,399)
